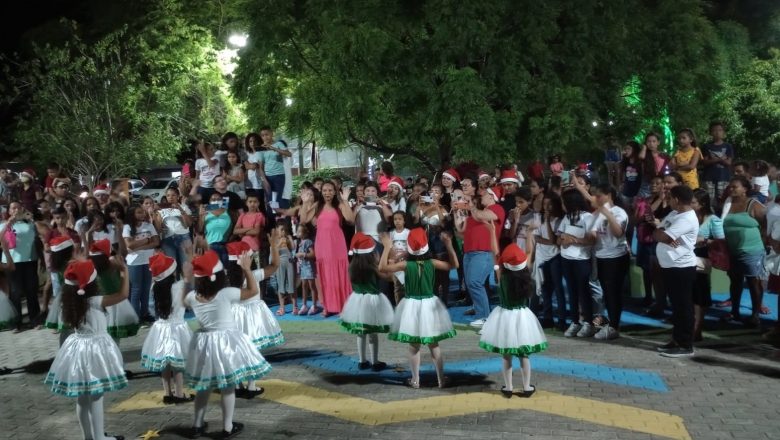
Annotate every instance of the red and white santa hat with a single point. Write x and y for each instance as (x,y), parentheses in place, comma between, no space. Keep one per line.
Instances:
(80,273)
(101,190)
(483,175)
(60,243)
(497,192)
(513,258)
(451,174)
(29,173)
(207,265)
(161,266)
(509,176)
(361,244)
(236,248)
(100,247)
(396,181)
(417,242)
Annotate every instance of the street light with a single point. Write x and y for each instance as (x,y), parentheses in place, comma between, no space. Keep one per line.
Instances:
(238,40)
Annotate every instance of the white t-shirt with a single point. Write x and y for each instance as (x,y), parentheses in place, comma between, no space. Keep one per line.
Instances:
(399,240)
(578,230)
(144,231)
(254,179)
(607,245)
(206,173)
(173,222)
(370,220)
(683,227)
(773,221)
(103,235)
(546,252)
(763,184)
(216,314)
(81,225)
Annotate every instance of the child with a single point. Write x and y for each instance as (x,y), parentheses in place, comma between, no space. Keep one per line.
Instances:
(221,357)
(399,235)
(306,272)
(687,158)
(520,218)
(556,166)
(420,318)
(122,320)
(168,341)
(367,311)
(285,275)
(512,328)
(8,314)
(61,251)
(760,180)
(89,363)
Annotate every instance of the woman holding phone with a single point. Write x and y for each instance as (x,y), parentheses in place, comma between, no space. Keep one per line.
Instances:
(216,226)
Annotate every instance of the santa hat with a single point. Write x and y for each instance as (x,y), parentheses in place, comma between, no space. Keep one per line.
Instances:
(80,273)
(497,192)
(483,174)
(236,248)
(451,174)
(513,258)
(417,241)
(162,266)
(361,244)
(509,176)
(100,247)
(60,243)
(207,265)
(29,173)
(397,182)
(101,190)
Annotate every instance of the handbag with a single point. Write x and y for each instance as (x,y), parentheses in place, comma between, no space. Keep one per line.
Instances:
(10,237)
(719,255)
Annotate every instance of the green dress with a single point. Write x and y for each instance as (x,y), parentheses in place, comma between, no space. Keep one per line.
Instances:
(122,320)
(367,310)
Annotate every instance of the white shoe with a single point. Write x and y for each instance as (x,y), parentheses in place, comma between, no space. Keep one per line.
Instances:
(586,331)
(477,323)
(607,332)
(573,329)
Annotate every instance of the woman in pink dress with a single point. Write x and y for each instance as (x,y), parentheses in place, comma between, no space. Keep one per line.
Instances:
(330,248)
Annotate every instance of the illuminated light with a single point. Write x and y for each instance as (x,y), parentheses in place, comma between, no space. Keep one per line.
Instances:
(238,40)
(594,124)
(473,124)
(611,123)
(288,101)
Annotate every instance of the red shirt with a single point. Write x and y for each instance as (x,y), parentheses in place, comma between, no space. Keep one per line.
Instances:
(54,233)
(536,170)
(251,220)
(476,237)
(383,182)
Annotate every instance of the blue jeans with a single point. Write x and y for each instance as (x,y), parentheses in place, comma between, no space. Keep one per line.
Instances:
(221,250)
(277,186)
(174,247)
(477,267)
(140,284)
(577,275)
(553,283)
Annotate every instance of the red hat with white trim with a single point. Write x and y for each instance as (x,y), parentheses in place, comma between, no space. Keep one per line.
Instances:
(80,273)
(207,265)
(29,172)
(361,244)
(236,248)
(397,182)
(509,176)
(60,243)
(497,192)
(417,241)
(101,190)
(513,258)
(161,266)
(100,247)
(451,174)
(483,175)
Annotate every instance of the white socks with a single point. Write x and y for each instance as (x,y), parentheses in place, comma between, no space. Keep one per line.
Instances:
(228,406)
(506,371)
(361,347)
(414,362)
(525,363)
(373,345)
(90,412)
(438,361)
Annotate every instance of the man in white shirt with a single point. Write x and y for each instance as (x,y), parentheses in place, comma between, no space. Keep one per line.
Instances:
(676,236)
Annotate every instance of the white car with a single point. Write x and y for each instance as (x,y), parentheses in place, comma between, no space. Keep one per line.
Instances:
(156,188)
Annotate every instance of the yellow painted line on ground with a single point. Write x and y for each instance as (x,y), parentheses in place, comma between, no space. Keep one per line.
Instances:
(371,412)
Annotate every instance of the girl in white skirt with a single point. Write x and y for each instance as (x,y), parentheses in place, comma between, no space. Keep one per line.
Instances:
(420,318)
(367,311)
(123,322)
(89,363)
(168,341)
(220,355)
(512,329)
(7,311)
(252,315)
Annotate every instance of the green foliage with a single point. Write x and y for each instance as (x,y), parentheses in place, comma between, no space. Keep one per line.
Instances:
(322,173)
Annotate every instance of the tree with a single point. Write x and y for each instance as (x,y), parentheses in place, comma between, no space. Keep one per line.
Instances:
(489,81)
(123,102)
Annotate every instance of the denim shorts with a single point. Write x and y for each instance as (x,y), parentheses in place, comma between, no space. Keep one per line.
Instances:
(748,265)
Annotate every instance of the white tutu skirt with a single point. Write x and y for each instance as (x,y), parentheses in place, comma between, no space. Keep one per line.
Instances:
(513,331)
(367,313)
(256,320)
(122,320)
(222,359)
(166,345)
(87,364)
(54,316)
(7,312)
(421,321)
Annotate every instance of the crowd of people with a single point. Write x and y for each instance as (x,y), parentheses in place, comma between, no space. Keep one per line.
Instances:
(555,245)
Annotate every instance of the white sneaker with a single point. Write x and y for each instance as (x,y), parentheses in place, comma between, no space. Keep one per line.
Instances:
(477,323)
(586,331)
(607,332)
(573,329)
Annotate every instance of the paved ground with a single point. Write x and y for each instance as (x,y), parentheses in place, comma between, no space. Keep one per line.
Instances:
(587,389)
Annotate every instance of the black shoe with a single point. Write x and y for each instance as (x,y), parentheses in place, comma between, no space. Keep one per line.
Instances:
(169,400)
(751,321)
(185,399)
(237,428)
(117,437)
(197,432)
(506,393)
(378,366)
(668,346)
(529,393)
(678,352)
(251,394)
(129,374)
(364,365)
(655,312)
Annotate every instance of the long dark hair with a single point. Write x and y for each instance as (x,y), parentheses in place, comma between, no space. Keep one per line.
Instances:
(60,259)
(115,206)
(519,283)
(207,288)
(75,306)
(93,215)
(705,205)
(634,152)
(161,290)
(557,205)
(649,162)
(130,218)
(101,262)
(334,203)
(362,268)
(574,203)
(607,189)
(235,275)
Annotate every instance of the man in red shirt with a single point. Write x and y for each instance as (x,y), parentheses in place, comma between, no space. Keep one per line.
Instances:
(478,258)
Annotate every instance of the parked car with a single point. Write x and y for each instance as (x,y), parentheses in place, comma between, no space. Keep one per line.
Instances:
(156,188)
(133,186)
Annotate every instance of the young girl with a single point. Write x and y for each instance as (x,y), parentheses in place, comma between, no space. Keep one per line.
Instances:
(399,235)
(512,328)
(420,318)
(61,250)
(520,218)
(89,363)
(168,341)
(576,242)
(687,158)
(548,259)
(760,181)
(630,173)
(556,166)
(285,275)
(710,228)
(306,273)
(141,240)
(8,314)
(654,162)
(122,319)
(234,174)
(221,356)
(367,311)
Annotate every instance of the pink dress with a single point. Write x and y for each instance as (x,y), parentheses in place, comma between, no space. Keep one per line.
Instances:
(330,249)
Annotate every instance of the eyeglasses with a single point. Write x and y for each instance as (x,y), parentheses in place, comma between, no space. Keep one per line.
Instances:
(62,186)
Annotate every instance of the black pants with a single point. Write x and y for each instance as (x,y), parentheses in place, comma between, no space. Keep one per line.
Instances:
(612,274)
(553,285)
(678,283)
(577,276)
(24,282)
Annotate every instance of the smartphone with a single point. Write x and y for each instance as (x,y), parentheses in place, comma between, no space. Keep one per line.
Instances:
(426,199)
(370,200)
(213,206)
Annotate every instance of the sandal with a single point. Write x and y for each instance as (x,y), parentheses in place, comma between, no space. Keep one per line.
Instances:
(295,310)
(723,304)
(764,310)
(312,311)
(303,310)
(280,311)
(412,384)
